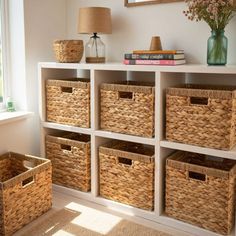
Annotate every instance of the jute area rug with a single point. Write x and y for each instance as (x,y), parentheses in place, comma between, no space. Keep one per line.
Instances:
(68,222)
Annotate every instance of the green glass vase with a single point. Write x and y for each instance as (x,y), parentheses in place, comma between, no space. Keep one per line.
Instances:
(217,46)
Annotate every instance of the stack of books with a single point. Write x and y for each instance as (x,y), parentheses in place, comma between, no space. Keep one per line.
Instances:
(158,57)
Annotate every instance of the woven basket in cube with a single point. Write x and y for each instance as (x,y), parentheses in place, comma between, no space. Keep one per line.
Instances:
(200,190)
(25,190)
(126,173)
(202,115)
(68,50)
(68,101)
(70,156)
(128,108)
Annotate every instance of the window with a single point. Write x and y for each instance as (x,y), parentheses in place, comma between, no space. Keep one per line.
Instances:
(3,48)
(1,57)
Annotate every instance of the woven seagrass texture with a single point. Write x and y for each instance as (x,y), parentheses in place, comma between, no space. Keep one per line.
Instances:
(128,108)
(70,156)
(126,173)
(68,50)
(68,102)
(201,191)
(25,192)
(203,117)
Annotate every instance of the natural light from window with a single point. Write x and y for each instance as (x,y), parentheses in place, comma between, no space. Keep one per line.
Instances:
(93,220)
(1,56)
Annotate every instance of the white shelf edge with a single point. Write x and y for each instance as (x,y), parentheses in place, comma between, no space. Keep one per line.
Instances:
(109,66)
(202,150)
(125,137)
(69,128)
(187,227)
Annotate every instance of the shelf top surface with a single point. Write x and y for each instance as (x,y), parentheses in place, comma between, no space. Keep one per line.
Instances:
(230,154)
(186,68)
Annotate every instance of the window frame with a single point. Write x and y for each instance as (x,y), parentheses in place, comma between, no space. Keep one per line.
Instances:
(4,34)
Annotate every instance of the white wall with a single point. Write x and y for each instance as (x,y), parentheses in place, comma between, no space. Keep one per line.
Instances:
(34,25)
(133,28)
(17,137)
(44,22)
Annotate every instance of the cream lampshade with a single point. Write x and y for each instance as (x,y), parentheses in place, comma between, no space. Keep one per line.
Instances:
(94,20)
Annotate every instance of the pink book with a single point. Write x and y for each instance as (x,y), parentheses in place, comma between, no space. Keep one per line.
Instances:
(154,62)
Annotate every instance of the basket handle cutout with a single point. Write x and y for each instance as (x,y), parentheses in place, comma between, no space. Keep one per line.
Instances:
(125,161)
(65,147)
(66,89)
(126,95)
(199,101)
(196,176)
(27,182)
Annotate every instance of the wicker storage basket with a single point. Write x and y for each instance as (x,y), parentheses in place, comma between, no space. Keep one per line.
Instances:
(128,108)
(202,115)
(25,190)
(68,50)
(201,190)
(70,156)
(127,173)
(68,101)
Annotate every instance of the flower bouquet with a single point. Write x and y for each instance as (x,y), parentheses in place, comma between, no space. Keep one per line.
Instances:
(217,14)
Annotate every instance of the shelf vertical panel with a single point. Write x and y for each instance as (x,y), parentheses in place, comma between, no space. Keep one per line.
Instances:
(97,141)
(97,78)
(94,167)
(92,101)
(166,79)
(157,148)
(93,117)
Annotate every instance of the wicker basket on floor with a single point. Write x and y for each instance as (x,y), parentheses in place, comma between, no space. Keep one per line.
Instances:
(68,101)
(25,190)
(68,50)
(70,156)
(127,173)
(128,108)
(200,190)
(202,115)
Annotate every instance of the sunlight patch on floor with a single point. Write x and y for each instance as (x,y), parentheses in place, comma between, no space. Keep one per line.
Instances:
(62,233)
(92,219)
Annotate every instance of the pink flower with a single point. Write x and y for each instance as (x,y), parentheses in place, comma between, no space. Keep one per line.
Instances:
(216,13)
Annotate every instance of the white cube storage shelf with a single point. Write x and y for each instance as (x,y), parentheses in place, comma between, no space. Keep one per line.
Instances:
(163,77)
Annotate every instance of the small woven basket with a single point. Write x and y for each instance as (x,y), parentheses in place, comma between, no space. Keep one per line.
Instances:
(128,108)
(68,101)
(68,50)
(127,173)
(25,190)
(200,190)
(70,156)
(202,115)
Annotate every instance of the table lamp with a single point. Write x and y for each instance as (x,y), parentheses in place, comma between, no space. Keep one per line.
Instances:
(94,20)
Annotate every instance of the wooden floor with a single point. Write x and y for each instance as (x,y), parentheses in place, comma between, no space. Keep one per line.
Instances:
(61,200)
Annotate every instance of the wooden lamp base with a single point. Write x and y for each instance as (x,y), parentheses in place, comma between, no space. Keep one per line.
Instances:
(95,59)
